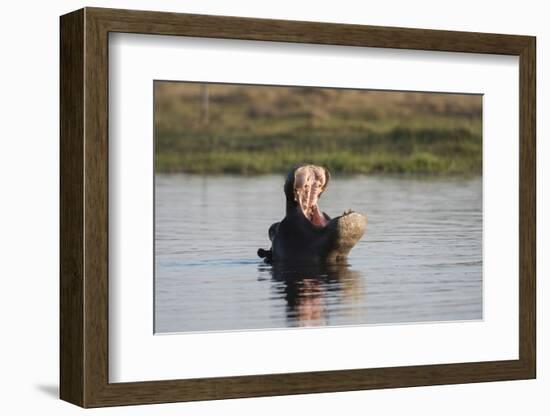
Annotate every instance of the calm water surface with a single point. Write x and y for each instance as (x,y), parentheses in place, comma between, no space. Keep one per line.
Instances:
(420,259)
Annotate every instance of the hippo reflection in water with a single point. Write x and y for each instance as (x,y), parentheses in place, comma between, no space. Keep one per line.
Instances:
(306,234)
(309,288)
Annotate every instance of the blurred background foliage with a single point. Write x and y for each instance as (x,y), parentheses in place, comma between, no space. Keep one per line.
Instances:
(248,130)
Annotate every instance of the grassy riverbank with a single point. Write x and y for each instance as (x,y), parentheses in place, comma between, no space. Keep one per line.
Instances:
(256,130)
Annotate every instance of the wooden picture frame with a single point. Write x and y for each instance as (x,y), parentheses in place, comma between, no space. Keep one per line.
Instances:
(84,207)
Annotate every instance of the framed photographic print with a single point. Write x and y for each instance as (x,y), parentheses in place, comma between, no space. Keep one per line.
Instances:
(255,207)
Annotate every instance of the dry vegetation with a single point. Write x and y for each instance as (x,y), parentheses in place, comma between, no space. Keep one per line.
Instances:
(260,129)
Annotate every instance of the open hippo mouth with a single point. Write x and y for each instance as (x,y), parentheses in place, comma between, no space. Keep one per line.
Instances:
(309,183)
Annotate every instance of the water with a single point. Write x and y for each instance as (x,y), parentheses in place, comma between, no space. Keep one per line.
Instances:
(419,261)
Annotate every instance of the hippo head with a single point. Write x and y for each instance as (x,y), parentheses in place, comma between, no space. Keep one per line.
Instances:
(306,233)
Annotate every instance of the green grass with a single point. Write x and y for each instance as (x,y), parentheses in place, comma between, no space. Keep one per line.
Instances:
(260,130)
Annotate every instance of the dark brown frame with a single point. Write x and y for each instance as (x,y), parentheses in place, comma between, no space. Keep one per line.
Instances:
(84,208)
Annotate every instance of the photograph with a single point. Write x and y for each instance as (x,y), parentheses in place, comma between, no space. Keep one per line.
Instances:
(287,205)
(297,206)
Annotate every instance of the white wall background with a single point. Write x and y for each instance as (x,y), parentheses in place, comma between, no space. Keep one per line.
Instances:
(29,85)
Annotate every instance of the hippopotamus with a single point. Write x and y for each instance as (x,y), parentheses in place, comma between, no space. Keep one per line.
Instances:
(307,234)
